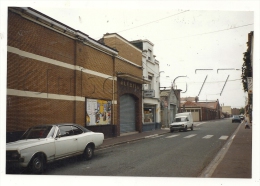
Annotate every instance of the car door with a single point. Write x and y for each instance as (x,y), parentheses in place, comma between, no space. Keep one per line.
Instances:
(66,143)
(82,138)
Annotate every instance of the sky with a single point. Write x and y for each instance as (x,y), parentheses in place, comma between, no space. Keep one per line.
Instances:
(187,35)
(185,39)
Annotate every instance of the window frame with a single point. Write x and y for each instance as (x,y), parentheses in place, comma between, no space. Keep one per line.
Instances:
(60,134)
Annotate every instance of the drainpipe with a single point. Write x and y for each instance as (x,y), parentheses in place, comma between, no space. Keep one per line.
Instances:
(75,80)
(113,94)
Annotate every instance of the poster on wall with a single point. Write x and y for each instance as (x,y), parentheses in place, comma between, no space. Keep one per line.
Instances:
(98,112)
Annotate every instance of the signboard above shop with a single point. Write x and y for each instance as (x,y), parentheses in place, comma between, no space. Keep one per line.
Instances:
(149,93)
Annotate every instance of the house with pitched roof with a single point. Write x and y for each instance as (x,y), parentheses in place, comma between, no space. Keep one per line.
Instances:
(202,110)
(170,105)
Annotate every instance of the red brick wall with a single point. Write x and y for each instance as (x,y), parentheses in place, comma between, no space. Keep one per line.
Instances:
(24,112)
(28,74)
(125,67)
(125,50)
(34,75)
(34,38)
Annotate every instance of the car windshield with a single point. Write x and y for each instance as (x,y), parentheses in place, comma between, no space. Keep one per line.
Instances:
(235,116)
(37,132)
(181,119)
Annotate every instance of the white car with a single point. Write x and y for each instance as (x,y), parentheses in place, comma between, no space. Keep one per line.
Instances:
(46,143)
(182,121)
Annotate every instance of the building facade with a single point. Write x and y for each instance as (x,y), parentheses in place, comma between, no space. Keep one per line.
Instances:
(235,111)
(130,79)
(202,111)
(169,106)
(227,110)
(151,118)
(56,74)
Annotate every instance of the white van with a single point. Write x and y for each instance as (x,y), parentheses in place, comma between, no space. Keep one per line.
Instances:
(182,121)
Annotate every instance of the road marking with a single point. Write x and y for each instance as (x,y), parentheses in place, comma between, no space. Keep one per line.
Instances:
(233,137)
(207,136)
(156,136)
(172,136)
(223,137)
(151,136)
(200,124)
(190,136)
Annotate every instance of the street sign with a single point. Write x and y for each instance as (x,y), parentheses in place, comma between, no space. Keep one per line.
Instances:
(250,85)
(149,93)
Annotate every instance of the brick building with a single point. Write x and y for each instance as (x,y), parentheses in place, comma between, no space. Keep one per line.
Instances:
(129,72)
(170,105)
(202,111)
(56,74)
(235,111)
(227,110)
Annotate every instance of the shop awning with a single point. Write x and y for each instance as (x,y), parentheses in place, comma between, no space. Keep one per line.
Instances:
(132,78)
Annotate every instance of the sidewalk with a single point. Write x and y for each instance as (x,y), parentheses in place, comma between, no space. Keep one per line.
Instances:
(236,163)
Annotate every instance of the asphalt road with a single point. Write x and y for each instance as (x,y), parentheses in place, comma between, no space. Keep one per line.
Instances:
(178,154)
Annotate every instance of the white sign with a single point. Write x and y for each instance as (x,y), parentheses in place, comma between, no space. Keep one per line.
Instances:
(92,110)
(149,93)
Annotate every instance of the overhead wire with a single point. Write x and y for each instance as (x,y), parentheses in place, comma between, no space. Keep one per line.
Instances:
(211,32)
(153,21)
(212,81)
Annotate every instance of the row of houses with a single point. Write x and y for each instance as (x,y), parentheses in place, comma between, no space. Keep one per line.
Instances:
(56,74)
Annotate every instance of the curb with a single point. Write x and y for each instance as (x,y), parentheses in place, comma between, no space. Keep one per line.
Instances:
(130,140)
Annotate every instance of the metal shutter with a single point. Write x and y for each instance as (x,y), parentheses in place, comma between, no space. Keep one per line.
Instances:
(127,114)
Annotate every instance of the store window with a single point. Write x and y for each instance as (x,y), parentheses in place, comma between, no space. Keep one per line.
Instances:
(149,115)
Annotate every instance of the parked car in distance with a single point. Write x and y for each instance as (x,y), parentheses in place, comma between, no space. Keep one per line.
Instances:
(182,121)
(236,118)
(241,117)
(47,143)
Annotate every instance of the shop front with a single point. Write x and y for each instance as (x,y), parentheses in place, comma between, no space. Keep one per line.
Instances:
(129,104)
(149,117)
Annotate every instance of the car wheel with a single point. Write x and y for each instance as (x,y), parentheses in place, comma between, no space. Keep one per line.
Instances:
(185,130)
(172,130)
(191,127)
(88,152)
(37,164)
